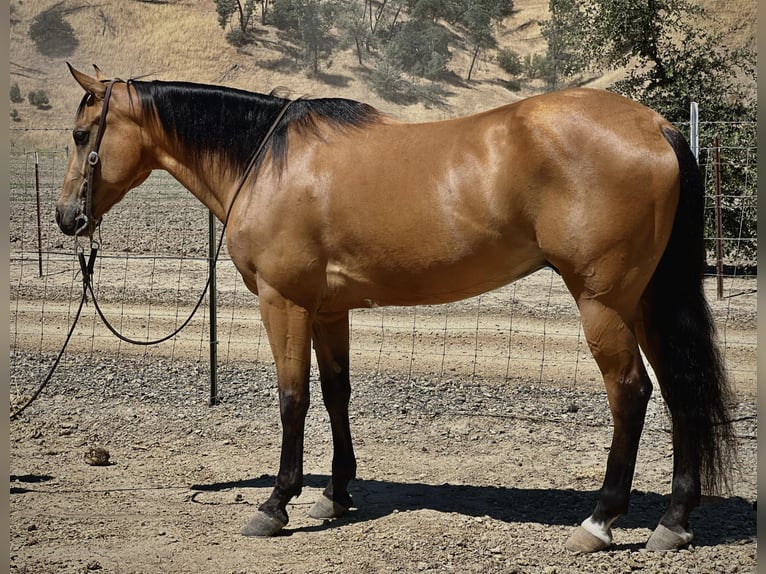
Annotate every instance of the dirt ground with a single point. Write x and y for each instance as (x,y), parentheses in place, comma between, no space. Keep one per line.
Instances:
(453,477)
(456,474)
(481,431)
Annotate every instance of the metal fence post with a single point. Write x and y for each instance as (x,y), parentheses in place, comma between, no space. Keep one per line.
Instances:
(39,223)
(718,220)
(213,314)
(694,138)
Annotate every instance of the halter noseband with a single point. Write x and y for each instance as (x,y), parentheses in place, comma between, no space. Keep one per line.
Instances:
(86,189)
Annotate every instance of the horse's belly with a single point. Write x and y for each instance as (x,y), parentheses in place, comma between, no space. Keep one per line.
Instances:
(355,286)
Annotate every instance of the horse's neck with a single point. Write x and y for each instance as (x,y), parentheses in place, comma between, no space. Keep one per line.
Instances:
(210,184)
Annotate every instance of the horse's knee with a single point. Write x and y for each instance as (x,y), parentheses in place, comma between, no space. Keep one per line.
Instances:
(293,406)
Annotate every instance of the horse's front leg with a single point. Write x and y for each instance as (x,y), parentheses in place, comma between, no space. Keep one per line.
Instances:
(289,330)
(331,345)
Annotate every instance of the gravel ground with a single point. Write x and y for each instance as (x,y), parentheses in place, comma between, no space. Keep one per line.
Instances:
(454,476)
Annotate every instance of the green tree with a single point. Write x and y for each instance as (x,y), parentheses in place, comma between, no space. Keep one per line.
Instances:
(479,19)
(476,18)
(563,34)
(226,9)
(310,22)
(432,10)
(674,56)
(354,28)
(420,47)
(264,11)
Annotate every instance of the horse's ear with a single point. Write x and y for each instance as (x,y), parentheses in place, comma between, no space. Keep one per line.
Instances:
(99,74)
(91,85)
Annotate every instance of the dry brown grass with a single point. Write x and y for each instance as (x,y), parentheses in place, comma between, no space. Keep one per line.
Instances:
(182,41)
(738,19)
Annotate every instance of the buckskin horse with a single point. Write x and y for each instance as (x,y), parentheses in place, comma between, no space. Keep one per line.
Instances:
(344,207)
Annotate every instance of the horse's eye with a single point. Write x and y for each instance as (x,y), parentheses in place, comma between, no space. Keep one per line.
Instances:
(81,137)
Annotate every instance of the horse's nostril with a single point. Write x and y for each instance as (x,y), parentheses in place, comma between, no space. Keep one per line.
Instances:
(57,216)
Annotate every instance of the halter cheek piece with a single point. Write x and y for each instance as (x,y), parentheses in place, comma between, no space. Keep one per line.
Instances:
(86,189)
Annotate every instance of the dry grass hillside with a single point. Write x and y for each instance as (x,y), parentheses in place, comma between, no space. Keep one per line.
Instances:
(181,40)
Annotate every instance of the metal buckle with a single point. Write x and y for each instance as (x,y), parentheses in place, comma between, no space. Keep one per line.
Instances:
(84,218)
(93,158)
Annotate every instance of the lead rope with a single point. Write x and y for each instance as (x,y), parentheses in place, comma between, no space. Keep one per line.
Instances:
(86,268)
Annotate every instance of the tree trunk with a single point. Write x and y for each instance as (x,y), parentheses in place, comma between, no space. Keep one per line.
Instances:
(359,51)
(378,15)
(241,17)
(473,61)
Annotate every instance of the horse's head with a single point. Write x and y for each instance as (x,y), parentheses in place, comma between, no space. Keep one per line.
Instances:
(107,157)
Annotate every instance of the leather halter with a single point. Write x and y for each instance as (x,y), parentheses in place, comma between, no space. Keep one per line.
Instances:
(86,189)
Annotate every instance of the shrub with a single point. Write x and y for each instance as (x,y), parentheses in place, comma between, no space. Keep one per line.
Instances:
(238,38)
(509,61)
(387,81)
(420,48)
(38,98)
(16,96)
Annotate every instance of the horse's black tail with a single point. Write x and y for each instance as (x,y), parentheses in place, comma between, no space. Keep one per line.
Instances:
(689,367)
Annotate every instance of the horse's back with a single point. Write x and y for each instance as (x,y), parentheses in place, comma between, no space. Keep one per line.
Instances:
(399,213)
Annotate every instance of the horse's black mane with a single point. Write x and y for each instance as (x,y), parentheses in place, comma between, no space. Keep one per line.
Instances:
(210,119)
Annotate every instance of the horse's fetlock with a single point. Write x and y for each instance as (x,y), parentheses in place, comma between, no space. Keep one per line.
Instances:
(273,510)
(613,502)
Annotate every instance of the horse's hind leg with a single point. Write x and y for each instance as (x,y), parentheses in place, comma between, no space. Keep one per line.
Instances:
(689,421)
(673,530)
(615,349)
(331,345)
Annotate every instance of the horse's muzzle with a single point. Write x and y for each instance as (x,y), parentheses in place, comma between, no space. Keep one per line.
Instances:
(72,221)
(65,219)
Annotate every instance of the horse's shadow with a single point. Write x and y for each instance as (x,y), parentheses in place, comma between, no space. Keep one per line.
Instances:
(716,521)
(27,479)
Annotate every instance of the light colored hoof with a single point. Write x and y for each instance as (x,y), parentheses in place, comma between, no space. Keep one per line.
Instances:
(325,509)
(664,539)
(581,541)
(262,525)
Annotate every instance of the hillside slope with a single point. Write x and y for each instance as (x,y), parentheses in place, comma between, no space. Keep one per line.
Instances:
(183,41)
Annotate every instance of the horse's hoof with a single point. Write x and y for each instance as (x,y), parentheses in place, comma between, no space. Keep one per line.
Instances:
(664,539)
(262,525)
(581,541)
(325,509)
